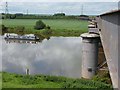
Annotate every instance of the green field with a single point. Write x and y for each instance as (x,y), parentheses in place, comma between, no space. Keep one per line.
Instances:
(10,80)
(59,27)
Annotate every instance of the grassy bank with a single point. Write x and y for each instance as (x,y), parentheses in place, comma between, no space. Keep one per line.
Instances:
(11,80)
(59,27)
(0,80)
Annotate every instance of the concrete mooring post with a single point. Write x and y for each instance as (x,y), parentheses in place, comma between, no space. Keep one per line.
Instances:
(90,47)
(27,72)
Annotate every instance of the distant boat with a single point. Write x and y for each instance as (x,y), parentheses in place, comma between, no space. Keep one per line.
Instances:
(20,37)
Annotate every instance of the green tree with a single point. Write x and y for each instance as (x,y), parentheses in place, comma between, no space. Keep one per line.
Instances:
(59,14)
(39,25)
(4,28)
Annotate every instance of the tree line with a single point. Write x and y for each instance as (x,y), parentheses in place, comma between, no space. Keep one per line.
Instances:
(33,16)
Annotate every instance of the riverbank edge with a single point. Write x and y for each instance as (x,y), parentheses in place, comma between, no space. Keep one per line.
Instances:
(12,80)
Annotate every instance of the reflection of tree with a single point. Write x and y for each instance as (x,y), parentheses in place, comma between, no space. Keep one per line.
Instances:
(48,38)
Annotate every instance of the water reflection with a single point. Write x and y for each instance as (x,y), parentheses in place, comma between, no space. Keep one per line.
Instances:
(56,56)
(21,41)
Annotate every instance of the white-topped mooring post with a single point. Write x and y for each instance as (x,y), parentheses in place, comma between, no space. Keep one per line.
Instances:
(27,71)
(90,47)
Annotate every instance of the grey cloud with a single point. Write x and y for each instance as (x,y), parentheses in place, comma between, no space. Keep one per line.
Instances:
(67,7)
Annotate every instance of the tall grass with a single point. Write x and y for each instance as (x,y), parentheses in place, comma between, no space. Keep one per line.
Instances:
(11,80)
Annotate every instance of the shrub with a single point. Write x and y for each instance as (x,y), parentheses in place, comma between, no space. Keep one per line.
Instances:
(20,28)
(47,32)
(48,27)
(103,76)
(4,28)
(39,25)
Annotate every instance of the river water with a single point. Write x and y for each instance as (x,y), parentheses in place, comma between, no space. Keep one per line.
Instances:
(60,56)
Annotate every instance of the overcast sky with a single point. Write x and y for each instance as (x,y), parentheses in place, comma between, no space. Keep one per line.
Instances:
(73,7)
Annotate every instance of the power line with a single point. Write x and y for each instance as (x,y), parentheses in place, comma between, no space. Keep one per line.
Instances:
(6,8)
(27,11)
(82,9)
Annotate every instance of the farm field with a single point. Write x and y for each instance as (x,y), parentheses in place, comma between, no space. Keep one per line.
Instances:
(59,27)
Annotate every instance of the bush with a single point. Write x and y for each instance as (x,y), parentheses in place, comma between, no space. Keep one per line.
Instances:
(39,25)
(103,76)
(4,28)
(48,27)
(20,28)
(47,32)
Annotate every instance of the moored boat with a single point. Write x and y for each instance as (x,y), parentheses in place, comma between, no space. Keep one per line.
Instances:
(20,37)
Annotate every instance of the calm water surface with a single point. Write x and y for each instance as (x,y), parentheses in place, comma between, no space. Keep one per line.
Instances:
(59,56)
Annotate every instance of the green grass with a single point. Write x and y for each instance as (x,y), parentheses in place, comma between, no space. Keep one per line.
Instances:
(59,27)
(103,76)
(58,24)
(0,80)
(11,80)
